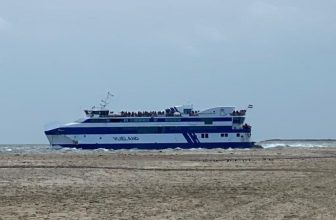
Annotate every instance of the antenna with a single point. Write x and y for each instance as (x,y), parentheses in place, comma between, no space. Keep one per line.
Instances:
(105,102)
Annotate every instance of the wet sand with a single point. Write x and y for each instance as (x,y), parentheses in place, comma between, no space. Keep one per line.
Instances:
(218,184)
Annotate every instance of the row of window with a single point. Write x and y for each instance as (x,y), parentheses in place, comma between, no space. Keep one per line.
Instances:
(222,135)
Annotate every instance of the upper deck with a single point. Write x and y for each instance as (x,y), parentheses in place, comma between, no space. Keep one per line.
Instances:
(177,111)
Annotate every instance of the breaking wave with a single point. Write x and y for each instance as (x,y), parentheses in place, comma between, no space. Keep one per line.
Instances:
(297,143)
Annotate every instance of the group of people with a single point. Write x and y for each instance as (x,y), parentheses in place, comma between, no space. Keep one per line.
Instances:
(238,113)
(167,113)
(246,126)
(142,114)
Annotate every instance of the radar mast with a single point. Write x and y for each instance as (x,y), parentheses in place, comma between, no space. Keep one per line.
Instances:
(105,102)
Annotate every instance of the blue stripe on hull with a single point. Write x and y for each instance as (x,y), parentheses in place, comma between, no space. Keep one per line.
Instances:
(145,130)
(186,136)
(194,137)
(163,146)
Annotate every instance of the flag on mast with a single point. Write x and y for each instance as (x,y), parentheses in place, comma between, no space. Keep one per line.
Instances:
(250,106)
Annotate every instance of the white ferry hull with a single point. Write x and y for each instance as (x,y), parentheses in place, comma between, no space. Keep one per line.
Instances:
(151,141)
(213,128)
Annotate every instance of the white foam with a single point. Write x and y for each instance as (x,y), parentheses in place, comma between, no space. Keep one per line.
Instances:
(298,143)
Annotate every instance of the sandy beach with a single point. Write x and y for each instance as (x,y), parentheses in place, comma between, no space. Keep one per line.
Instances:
(278,183)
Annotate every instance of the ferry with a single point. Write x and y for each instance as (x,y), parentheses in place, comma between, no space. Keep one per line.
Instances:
(175,127)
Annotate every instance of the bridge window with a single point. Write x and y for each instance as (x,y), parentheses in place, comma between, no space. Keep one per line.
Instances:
(187,111)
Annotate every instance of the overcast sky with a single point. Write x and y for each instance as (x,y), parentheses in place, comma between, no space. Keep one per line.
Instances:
(59,57)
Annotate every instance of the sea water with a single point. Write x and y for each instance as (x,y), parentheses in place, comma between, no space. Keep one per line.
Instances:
(43,148)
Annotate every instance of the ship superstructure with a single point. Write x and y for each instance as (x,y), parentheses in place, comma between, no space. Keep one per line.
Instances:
(176,127)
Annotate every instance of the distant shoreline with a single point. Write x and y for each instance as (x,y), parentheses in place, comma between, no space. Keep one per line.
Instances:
(297,140)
